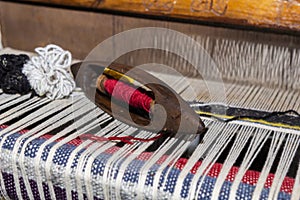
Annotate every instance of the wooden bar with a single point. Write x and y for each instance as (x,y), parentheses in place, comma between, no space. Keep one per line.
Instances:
(274,14)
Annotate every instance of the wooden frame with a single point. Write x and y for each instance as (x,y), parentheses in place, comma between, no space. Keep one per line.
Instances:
(275,14)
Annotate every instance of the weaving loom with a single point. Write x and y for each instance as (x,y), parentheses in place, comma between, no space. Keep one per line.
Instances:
(51,149)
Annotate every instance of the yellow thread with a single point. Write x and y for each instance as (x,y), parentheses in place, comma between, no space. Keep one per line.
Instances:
(261,121)
(118,75)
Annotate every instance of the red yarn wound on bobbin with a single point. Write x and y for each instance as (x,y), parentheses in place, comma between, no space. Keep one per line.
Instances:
(128,94)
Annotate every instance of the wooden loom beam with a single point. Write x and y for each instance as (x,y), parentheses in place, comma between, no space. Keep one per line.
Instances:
(274,14)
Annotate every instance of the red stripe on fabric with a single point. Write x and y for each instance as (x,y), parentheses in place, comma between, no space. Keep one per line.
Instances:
(250,177)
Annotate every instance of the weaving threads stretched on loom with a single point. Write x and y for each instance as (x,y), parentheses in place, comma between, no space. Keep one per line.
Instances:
(132,96)
(116,168)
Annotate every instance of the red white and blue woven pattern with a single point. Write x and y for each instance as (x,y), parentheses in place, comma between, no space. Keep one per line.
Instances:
(130,178)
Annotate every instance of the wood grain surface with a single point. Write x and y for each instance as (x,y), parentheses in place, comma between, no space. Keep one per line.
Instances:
(275,14)
(27,26)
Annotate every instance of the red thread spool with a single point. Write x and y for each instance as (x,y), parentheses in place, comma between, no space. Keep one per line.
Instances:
(126,93)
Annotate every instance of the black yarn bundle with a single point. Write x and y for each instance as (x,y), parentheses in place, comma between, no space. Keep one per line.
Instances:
(12,80)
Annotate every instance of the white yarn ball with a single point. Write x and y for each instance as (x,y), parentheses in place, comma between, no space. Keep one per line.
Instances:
(48,72)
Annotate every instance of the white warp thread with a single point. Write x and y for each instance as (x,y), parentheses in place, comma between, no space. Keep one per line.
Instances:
(48,72)
(1,45)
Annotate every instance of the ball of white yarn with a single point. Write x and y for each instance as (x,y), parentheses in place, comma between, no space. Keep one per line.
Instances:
(48,72)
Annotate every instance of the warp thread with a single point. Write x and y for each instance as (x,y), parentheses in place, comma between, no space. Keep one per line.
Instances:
(13,80)
(132,96)
(1,44)
(48,72)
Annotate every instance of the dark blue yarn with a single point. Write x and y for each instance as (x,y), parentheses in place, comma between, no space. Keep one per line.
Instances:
(13,81)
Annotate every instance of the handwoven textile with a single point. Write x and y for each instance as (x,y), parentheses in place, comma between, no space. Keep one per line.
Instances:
(130,177)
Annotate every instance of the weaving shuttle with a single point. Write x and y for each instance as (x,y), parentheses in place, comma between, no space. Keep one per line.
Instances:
(177,115)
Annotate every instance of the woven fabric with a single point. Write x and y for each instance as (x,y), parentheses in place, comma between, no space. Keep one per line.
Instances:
(130,176)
